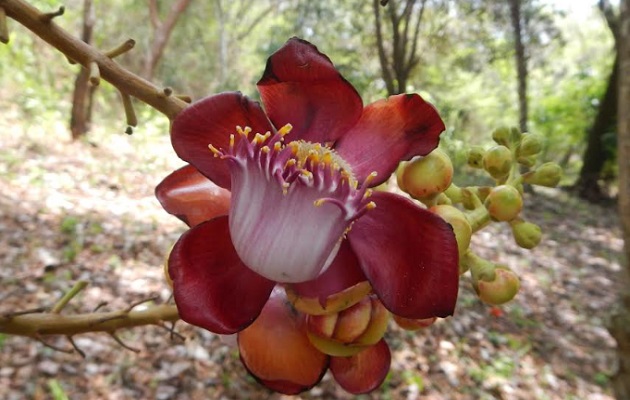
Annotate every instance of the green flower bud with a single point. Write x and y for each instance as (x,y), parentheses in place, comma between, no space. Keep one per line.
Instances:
(461,226)
(504,203)
(498,161)
(526,234)
(506,136)
(475,156)
(528,161)
(427,176)
(548,174)
(501,289)
(531,144)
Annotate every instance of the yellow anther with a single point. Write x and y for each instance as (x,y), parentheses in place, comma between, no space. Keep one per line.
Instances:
(232,141)
(319,202)
(368,193)
(370,177)
(285,130)
(277,146)
(371,205)
(290,162)
(265,149)
(243,131)
(327,159)
(285,188)
(306,173)
(259,139)
(214,150)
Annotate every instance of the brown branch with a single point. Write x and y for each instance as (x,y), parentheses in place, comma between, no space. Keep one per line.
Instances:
(36,325)
(382,56)
(75,49)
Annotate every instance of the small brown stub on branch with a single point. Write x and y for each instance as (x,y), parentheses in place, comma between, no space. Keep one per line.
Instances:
(49,16)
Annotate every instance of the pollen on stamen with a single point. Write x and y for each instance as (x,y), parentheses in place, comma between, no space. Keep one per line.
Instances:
(216,152)
(367,193)
(370,206)
(243,131)
(285,130)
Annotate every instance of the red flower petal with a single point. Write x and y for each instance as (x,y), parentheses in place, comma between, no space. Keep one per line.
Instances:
(213,289)
(362,372)
(276,350)
(390,131)
(301,86)
(343,272)
(409,256)
(211,121)
(192,197)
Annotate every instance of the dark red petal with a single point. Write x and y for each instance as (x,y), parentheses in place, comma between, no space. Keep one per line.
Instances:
(211,121)
(390,131)
(192,197)
(343,272)
(213,289)
(409,256)
(276,350)
(362,372)
(301,86)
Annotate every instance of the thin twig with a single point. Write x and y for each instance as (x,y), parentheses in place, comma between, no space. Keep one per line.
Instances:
(123,344)
(76,289)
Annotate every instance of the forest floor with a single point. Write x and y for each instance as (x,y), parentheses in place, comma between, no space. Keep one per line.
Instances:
(72,211)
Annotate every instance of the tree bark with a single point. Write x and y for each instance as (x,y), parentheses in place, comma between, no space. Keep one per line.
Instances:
(396,67)
(521,63)
(162,30)
(81,113)
(620,326)
(595,155)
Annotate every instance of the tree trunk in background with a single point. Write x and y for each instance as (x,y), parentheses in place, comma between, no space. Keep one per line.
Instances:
(595,154)
(396,67)
(81,114)
(620,324)
(521,63)
(162,30)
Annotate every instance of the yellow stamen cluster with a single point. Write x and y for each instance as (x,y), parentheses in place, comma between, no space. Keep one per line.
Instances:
(315,153)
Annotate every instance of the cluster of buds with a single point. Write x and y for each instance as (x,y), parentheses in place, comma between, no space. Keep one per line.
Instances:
(468,209)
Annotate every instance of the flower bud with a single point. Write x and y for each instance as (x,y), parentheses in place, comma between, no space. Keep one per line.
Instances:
(498,161)
(501,289)
(409,324)
(348,332)
(427,176)
(526,234)
(506,136)
(460,224)
(400,171)
(548,175)
(528,161)
(504,203)
(531,144)
(475,156)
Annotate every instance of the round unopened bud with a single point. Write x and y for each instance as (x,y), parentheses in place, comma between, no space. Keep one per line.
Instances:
(531,144)
(526,234)
(427,176)
(548,174)
(498,161)
(506,136)
(461,226)
(528,161)
(475,156)
(504,203)
(400,171)
(500,290)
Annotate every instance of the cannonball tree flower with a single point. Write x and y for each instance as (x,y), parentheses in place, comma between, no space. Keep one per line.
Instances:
(271,193)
